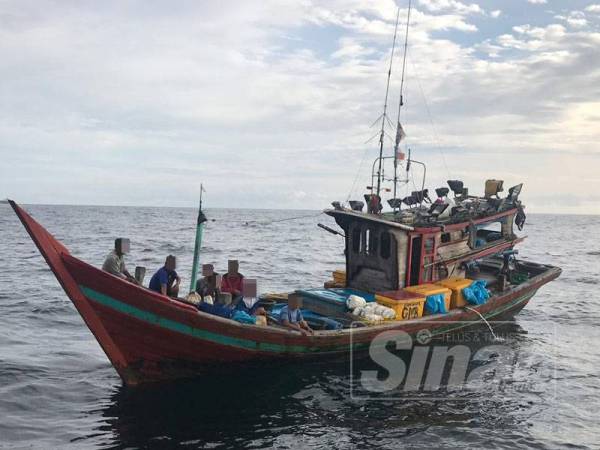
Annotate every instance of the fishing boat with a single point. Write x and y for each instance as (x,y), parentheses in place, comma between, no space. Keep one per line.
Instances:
(416,243)
(150,337)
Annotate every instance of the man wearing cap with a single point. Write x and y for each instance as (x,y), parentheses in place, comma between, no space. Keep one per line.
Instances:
(115,261)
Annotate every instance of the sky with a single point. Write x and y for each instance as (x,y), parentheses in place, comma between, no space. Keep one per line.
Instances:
(271,104)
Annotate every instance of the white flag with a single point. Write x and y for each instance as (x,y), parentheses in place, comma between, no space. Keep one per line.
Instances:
(400,134)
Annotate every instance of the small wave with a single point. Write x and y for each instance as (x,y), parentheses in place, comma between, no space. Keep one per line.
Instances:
(594,253)
(587,280)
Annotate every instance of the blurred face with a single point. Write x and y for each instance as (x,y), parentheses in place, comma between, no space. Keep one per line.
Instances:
(295,301)
(233,266)
(171,264)
(122,246)
(207,270)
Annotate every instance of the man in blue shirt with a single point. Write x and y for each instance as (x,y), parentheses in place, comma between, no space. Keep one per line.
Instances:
(166,281)
(291,316)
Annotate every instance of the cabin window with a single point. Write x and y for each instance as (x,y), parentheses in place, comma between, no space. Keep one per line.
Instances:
(386,244)
(429,243)
(486,233)
(356,240)
(373,243)
(445,238)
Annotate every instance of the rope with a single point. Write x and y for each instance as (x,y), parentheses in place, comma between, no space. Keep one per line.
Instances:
(360,167)
(268,222)
(496,338)
(429,116)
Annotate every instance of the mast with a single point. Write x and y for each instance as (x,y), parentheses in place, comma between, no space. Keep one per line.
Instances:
(385,104)
(399,130)
(198,243)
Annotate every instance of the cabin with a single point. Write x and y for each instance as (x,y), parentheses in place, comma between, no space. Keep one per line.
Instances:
(390,251)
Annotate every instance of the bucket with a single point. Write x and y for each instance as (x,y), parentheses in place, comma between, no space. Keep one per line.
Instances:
(140,274)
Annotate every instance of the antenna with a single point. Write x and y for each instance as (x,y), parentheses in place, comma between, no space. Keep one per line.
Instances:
(399,129)
(385,104)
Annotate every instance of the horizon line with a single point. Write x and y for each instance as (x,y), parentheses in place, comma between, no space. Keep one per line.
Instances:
(252,208)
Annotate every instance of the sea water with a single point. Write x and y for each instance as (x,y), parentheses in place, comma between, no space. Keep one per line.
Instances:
(58,390)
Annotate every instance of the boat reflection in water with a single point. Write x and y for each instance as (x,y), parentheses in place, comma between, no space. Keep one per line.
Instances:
(305,405)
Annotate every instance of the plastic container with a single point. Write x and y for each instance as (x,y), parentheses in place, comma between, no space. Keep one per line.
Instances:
(339,276)
(330,302)
(432,289)
(492,187)
(408,305)
(456,285)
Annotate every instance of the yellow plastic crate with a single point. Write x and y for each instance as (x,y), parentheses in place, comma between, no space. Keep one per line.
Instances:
(339,276)
(407,305)
(456,285)
(428,289)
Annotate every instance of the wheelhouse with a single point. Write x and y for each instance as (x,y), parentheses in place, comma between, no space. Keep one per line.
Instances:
(385,255)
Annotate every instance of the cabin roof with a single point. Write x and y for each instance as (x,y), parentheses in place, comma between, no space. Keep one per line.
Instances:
(391,220)
(350,215)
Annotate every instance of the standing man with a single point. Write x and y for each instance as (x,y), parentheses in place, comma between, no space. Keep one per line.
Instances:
(115,261)
(166,281)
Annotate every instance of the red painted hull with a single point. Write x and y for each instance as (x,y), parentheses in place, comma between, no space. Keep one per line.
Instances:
(149,337)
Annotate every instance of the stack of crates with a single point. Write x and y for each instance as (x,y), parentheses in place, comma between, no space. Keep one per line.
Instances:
(339,277)
(408,305)
(339,280)
(456,285)
(432,289)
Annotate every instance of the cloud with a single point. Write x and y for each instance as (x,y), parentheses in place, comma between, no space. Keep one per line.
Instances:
(537,2)
(271,105)
(575,19)
(496,13)
(595,8)
(452,6)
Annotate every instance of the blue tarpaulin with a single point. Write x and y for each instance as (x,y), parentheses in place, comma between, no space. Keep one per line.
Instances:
(217,310)
(316,321)
(243,317)
(336,295)
(476,293)
(435,304)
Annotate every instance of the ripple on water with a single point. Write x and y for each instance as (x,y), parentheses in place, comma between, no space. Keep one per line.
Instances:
(57,388)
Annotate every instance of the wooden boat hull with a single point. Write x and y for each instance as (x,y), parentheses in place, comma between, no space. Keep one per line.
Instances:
(149,337)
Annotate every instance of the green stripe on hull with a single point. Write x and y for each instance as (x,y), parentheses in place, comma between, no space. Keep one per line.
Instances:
(179,327)
(247,344)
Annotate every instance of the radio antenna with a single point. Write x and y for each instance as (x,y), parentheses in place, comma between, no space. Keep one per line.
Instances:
(384,117)
(399,130)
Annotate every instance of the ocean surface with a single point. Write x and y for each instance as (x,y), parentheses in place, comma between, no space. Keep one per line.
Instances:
(58,390)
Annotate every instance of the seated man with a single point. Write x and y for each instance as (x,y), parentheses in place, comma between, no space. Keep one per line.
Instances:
(208,285)
(291,316)
(233,281)
(166,281)
(115,262)
(248,301)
